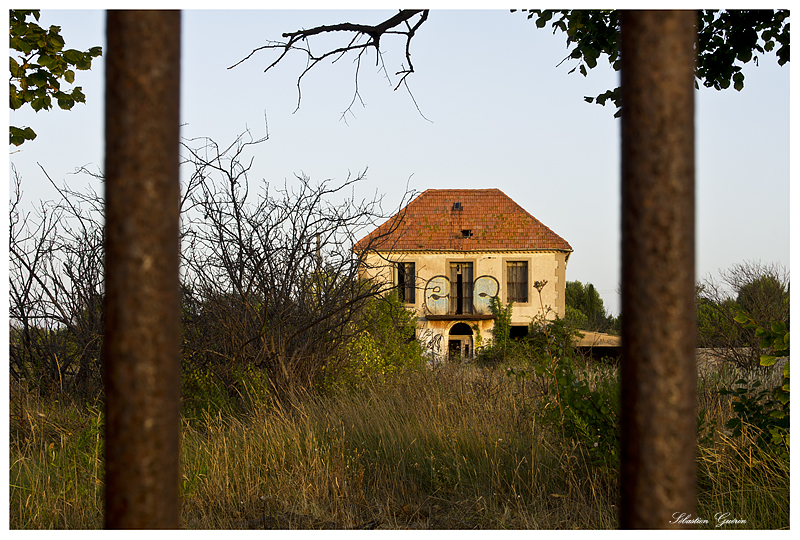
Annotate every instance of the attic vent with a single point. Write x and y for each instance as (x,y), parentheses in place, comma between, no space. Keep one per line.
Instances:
(457,206)
(466,233)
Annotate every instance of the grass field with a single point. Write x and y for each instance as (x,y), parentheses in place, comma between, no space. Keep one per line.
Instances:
(459,447)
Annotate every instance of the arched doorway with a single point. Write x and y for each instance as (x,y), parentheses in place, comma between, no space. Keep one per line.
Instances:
(459,342)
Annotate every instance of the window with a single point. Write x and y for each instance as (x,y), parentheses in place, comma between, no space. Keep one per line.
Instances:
(406,282)
(461,288)
(517,281)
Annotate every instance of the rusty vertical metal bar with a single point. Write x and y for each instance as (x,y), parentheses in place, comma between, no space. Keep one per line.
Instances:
(142,313)
(658,419)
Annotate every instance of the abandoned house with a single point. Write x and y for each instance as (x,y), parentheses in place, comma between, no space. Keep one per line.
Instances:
(449,251)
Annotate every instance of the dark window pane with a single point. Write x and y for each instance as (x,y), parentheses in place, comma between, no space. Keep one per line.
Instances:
(406,282)
(517,281)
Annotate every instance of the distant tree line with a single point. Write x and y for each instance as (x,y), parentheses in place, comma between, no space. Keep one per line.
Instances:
(760,290)
(585,309)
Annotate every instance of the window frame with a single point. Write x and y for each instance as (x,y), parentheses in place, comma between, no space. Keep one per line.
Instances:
(406,288)
(514,287)
(467,303)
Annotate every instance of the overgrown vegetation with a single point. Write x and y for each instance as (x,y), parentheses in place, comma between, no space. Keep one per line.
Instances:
(758,290)
(268,281)
(459,446)
(307,402)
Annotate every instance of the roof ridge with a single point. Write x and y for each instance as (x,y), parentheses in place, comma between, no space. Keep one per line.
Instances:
(432,221)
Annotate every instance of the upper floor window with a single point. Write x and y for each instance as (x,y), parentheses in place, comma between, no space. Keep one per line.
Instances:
(517,281)
(461,288)
(406,275)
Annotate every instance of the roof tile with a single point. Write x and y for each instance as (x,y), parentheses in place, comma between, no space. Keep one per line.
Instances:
(430,222)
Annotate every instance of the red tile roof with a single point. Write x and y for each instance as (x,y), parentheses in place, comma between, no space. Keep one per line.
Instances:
(494,221)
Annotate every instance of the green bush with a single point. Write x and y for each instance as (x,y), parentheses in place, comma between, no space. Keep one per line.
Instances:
(235,391)
(765,409)
(584,406)
(385,345)
(501,345)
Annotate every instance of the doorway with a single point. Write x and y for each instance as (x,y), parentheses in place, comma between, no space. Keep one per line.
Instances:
(459,344)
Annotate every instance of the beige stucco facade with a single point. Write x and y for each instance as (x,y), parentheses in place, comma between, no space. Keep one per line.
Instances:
(449,252)
(440,327)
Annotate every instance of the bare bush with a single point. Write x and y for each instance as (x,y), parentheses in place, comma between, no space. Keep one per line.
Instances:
(56,291)
(270,279)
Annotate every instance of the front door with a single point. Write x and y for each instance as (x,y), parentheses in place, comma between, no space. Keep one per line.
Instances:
(454,349)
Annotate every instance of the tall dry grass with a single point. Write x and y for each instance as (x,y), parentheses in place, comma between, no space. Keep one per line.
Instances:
(454,448)
(735,477)
(457,447)
(55,463)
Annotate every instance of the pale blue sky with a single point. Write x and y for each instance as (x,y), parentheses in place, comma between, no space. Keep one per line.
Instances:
(497,113)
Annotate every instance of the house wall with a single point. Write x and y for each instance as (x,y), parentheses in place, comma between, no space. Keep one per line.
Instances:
(542,265)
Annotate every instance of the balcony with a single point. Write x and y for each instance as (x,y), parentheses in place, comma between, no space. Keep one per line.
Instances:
(460,298)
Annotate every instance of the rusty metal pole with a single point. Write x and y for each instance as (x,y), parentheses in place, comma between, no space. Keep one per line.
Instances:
(658,418)
(142,312)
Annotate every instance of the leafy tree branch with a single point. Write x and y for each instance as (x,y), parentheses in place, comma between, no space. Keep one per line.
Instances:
(724,40)
(39,67)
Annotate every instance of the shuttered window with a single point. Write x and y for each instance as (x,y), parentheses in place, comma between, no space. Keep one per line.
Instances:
(461,288)
(406,282)
(517,281)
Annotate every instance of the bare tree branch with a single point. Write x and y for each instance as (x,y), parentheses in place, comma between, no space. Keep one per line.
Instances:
(363,37)
(271,280)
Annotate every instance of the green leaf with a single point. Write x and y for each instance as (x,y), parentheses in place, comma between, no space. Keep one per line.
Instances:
(741,317)
(767,360)
(745,55)
(69,76)
(14,67)
(56,41)
(38,78)
(66,103)
(77,95)
(18,136)
(37,104)
(72,56)
(14,101)
(46,61)
(738,81)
